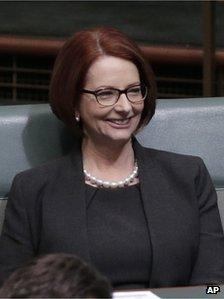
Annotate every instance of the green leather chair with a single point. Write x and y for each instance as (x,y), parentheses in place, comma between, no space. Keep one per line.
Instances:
(31,135)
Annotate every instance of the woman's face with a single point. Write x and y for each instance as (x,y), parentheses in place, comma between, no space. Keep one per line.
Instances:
(101,124)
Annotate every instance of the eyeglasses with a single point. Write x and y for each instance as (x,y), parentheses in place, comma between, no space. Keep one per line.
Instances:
(110,96)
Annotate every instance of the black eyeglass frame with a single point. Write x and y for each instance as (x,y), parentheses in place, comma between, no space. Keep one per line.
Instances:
(120,92)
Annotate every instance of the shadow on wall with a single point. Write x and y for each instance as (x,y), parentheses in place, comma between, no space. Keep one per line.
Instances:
(45,138)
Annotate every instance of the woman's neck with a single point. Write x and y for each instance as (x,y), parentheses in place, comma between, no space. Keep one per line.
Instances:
(106,161)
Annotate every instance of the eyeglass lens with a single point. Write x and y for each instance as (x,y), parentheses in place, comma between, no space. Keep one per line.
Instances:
(110,96)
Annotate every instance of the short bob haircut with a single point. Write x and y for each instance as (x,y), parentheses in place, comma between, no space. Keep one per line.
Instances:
(74,60)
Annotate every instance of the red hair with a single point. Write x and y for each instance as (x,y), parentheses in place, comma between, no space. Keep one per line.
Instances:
(74,60)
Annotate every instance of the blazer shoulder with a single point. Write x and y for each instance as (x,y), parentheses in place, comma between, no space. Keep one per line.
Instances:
(172,157)
(185,169)
(29,186)
(181,165)
(46,171)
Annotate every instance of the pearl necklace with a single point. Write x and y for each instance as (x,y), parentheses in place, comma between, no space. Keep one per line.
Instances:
(107,184)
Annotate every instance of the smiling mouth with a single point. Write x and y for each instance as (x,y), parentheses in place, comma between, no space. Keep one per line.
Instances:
(122,121)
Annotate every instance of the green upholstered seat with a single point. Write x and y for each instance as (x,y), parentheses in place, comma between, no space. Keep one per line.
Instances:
(31,135)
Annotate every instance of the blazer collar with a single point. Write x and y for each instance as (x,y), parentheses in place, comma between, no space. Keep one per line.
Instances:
(153,189)
(162,205)
(74,195)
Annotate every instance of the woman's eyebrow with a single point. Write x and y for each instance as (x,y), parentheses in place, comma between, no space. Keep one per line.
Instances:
(133,84)
(105,87)
(113,87)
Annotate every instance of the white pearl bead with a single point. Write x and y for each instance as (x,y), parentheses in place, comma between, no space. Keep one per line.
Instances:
(113,185)
(106,184)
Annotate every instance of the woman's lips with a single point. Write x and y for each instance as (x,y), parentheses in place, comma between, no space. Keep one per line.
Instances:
(119,123)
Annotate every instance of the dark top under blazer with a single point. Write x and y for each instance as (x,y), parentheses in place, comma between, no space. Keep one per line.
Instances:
(46,213)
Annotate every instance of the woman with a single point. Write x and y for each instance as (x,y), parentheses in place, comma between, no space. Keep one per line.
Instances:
(143,217)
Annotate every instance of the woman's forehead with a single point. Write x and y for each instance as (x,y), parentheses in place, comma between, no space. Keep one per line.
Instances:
(110,70)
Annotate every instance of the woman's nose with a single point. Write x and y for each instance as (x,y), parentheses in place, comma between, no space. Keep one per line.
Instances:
(123,104)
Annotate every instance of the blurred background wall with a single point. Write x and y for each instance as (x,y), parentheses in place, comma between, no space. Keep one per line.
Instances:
(183,40)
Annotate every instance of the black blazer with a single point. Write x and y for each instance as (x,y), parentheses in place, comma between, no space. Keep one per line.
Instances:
(46,213)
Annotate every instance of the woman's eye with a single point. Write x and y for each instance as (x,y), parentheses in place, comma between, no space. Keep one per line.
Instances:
(105,93)
(135,90)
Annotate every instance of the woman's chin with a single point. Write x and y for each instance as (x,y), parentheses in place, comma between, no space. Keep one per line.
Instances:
(118,137)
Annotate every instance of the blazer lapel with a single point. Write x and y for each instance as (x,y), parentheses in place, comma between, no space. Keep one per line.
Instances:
(154,192)
(75,219)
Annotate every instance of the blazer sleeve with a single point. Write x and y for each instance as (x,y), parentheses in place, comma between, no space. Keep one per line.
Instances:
(209,266)
(16,240)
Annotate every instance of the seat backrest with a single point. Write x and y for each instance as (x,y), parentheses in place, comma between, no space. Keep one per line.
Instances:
(195,127)
(191,126)
(31,135)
